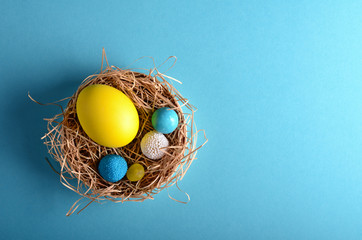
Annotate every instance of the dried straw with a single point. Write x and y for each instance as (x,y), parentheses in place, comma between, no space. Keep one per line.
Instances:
(78,155)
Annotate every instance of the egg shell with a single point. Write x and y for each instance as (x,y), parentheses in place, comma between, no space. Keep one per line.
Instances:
(165,120)
(112,168)
(135,172)
(107,115)
(152,144)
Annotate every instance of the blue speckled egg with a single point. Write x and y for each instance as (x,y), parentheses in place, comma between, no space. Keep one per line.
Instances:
(165,120)
(112,168)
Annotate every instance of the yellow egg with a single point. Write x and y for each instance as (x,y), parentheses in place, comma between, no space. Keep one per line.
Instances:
(135,172)
(107,115)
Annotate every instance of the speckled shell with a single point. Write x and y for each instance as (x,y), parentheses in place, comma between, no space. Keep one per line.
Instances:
(152,143)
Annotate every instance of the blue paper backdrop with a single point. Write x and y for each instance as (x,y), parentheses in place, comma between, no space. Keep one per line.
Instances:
(278,85)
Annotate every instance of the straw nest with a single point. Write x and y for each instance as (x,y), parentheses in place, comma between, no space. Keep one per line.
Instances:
(79,156)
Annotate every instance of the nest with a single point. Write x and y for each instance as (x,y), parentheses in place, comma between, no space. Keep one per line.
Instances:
(79,156)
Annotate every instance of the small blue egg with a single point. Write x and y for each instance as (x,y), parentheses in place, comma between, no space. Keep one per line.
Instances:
(112,168)
(165,120)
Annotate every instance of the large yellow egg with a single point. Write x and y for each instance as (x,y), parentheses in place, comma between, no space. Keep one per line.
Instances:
(107,115)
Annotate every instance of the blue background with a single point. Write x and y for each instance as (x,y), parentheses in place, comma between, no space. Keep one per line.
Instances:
(278,85)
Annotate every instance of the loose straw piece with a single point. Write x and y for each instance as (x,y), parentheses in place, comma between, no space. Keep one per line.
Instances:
(78,155)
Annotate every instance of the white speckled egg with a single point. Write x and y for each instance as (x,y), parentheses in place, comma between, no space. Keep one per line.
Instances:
(152,143)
